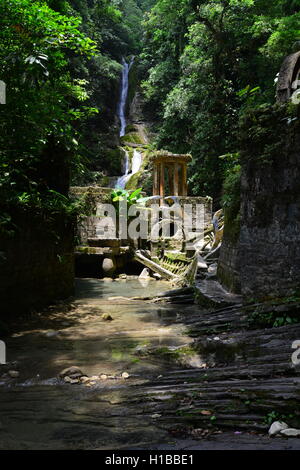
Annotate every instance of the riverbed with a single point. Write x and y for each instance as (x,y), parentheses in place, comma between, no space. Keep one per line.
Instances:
(38,410)
(148,386)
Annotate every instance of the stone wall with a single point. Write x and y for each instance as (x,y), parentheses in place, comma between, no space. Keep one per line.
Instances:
(90,197)
(267,253)
(228,266)
(36,262)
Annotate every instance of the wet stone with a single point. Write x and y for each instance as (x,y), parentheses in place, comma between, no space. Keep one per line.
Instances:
(277,427)
(14,374)
(73,372)
(106,317)
(290,432)
(242,375)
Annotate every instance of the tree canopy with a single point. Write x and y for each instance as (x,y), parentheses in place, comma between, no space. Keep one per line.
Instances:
(201,63)
(205,63)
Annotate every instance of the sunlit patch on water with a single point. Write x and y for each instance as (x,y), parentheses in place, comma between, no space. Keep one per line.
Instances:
(96,346)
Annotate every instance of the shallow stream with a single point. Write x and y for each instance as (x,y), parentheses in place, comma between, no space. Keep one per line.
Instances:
(38,410)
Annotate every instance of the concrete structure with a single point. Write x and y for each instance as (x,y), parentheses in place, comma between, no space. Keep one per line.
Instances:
(170,169)
(288,78)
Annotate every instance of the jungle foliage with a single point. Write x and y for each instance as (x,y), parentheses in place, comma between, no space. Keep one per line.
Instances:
(205,63)
(60,61)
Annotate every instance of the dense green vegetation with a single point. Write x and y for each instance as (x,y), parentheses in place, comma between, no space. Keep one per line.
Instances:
(61,63)
(202,64)
(205,63)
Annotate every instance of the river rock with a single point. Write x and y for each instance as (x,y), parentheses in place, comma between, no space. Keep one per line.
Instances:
(69,380)
(13,374)
(74,381)
(73,372)
(156,276)
(103,377)
(277,427)
(145,274)
(106,317)
(108,266)
(125,375)
(290,432)
(84,379)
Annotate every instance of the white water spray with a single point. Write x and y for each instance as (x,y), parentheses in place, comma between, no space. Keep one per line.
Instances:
(128,173)
(122,180)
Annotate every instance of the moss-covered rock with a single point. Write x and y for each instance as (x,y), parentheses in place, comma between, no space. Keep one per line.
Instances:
(132,138)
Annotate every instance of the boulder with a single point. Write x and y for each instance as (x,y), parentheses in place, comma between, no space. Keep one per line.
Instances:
(108,266)
(277,427)
(72,372)
(290,432)
(13,374)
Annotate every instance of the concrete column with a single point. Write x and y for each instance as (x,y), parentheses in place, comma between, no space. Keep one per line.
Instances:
(171,179)
(162,180)
(184,180)
(175,179)
(156,180)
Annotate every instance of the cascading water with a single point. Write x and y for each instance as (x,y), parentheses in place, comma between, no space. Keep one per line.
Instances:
(124,94)
(136,162)
(122,180)
(129,169)
(135,167)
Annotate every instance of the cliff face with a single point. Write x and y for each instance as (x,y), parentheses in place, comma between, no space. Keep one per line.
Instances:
(264,260)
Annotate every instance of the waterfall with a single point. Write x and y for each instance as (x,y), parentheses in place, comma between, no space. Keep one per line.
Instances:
(124,94)
(135,167)
(136,162)
(128,169)
(122,180)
